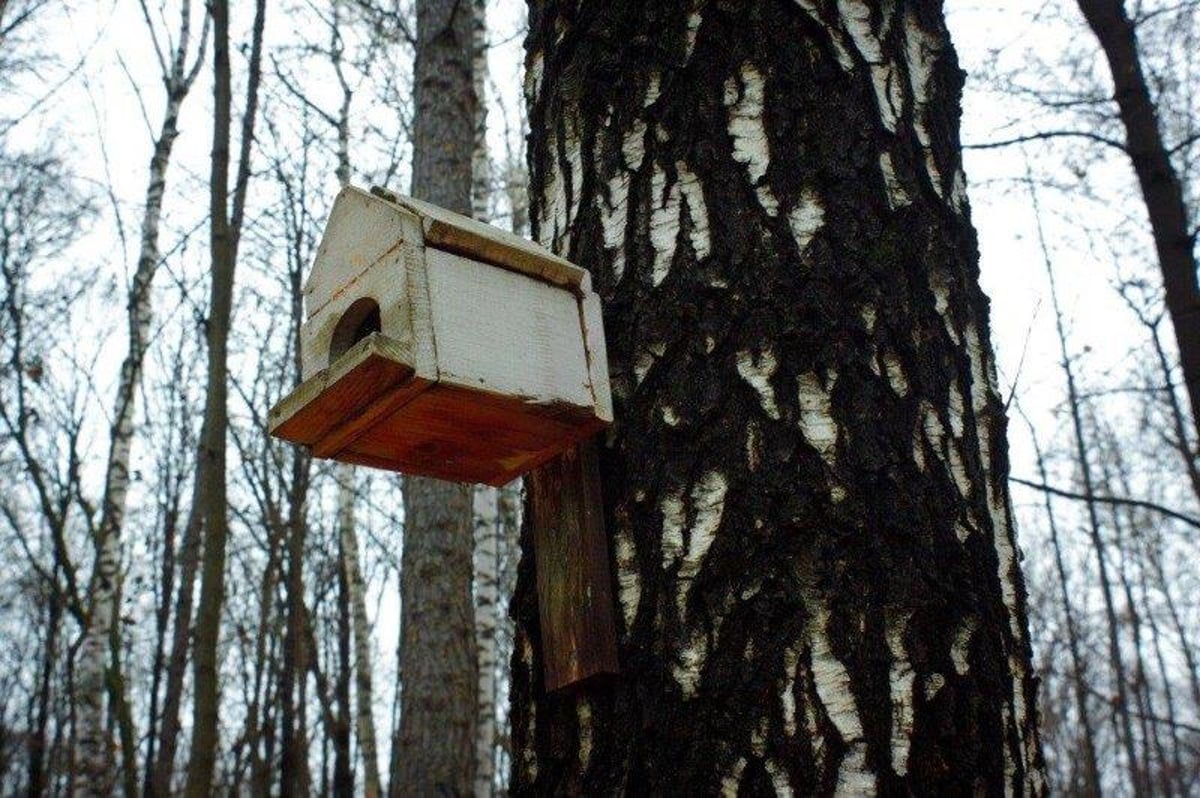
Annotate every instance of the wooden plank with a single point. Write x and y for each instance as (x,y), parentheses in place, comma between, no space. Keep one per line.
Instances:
(451,231)
(371,369)
(361,230)
(574,580)
(506,333)
(592,319)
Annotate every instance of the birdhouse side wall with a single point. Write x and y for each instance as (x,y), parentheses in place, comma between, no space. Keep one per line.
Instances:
(507,334)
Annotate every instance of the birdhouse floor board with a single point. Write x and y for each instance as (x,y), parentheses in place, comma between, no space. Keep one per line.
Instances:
(369,408)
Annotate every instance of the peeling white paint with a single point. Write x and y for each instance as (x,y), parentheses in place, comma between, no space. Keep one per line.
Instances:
(629,583)
(960,650)
(757,371)
(806,218)
(816,416)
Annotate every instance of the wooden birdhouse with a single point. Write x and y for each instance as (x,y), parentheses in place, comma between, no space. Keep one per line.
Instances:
(441,346)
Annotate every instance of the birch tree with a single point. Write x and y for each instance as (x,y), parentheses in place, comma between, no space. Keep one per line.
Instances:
(95,672)
(805,488)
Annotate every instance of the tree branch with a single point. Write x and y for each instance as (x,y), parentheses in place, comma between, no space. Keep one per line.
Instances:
(1114,500)
(1049,134)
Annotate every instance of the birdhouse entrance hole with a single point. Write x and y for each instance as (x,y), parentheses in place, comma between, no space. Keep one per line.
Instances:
(360,320)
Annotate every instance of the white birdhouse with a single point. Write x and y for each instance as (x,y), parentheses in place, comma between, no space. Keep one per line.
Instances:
(441,346)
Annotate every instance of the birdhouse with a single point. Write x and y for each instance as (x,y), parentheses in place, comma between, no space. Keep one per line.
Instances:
(437,345)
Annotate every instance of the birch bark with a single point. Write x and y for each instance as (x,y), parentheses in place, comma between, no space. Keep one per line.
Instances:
(806,486)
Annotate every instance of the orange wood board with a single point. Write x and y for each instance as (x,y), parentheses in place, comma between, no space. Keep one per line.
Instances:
(370,408)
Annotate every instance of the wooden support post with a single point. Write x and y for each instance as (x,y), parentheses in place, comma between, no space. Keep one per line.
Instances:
(575,601)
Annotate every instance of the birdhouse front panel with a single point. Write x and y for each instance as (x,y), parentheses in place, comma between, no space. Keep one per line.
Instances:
(437,345)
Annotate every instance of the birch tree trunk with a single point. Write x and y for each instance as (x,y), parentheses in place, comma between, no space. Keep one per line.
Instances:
(805,488)
(94,672)
(487,600)
(434,751)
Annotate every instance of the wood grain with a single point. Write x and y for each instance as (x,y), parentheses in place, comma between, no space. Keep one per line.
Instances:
(574,579)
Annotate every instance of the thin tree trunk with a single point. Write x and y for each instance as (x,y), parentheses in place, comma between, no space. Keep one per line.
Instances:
(806,487)
(1116,661)
(1079,677)
(364,690)
(1161,190)
(435,748)
(225,229)
(343,765)
(95,673)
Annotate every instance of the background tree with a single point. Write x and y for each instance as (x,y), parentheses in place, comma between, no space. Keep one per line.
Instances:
(434,749)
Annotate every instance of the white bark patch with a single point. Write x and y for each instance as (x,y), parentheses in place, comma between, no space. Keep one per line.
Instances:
(895,372)
(757,371)
(614,218)
(901,678)
(941,303)
(897,196)
(633,146)
(688,664)
(753,447)
(673,516)
(955,410)
(816,416)
(806,217)
(855,778)
(629,584)
(708,503)
(921,52)
(664,224)
(867,314)
(933,683)
(958,191)
(533,77)
(733,779)
(653,90)
(857,17)
(693,195)
(839,47)
(779,779)
(642,366)
(584,710)
(787,685)
(693,28)
(832,682)
(669,416)
(744,97)
(960,650)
